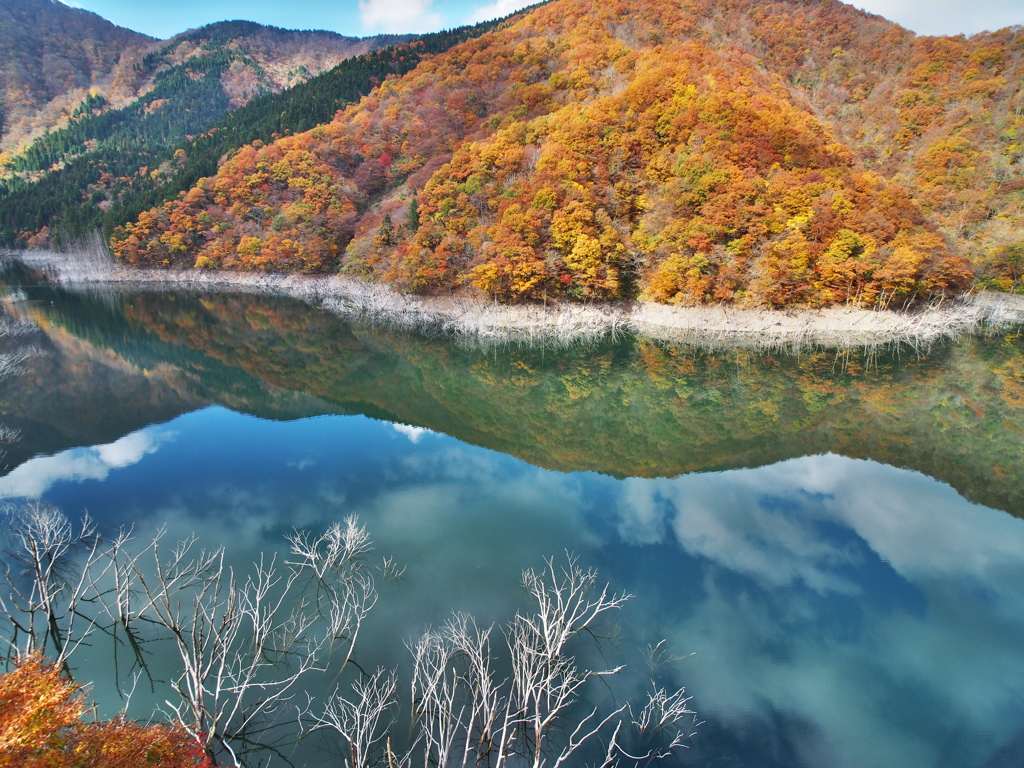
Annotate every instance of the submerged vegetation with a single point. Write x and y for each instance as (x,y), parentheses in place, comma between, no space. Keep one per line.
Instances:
(245,643)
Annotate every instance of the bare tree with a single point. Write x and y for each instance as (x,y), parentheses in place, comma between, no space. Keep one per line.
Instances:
(664,724)
(8,434)
(243,644)
(246,643)
(363,720)
(45,593)
(546,679)
(459,706)
(465,716)
(14,348)
(15,351)
(344,589)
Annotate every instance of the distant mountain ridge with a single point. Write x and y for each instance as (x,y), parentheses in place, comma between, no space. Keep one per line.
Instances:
(203,72)
(53,55)
(47,51)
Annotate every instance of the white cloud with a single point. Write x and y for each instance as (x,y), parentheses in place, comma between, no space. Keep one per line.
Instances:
(398,15)
(129,449)
(825,691)
(415,434)
(36,476)
(497,10)
(810,522)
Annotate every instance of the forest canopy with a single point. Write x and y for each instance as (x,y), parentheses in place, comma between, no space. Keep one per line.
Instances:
(712,151)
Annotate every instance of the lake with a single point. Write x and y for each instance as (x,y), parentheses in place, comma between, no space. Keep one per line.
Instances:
(830,544)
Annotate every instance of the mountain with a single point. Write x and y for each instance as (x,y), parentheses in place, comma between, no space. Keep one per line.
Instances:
(718,150)
(82,65)
(51,55)
(203,95)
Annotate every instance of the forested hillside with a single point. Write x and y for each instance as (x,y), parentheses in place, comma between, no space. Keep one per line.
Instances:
(109,165)
(720,150)
(790,153)
(64,65)
(942,116)
(50,55)
(189,82)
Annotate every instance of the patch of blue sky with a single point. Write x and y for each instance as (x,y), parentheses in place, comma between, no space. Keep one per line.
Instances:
(163,19)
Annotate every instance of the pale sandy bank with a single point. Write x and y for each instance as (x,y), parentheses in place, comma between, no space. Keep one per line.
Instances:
(482,319)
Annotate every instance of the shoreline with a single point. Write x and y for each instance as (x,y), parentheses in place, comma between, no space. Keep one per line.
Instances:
(488,321)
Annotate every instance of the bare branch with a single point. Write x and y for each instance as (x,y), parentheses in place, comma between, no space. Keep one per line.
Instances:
(362,721)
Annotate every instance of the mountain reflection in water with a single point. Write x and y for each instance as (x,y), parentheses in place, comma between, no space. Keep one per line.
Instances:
(839,611)
(625,407)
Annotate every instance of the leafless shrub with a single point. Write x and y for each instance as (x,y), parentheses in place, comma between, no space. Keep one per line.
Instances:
(45,590)
(666,722)
(15,328)
(15,343)
(8,434)
(362,720)
(11,363)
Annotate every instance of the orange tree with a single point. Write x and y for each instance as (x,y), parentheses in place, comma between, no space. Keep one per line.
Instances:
(44,724)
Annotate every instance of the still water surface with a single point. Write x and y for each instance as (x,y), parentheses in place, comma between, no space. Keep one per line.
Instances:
(831,545)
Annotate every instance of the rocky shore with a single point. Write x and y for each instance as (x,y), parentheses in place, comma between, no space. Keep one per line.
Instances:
(479,319)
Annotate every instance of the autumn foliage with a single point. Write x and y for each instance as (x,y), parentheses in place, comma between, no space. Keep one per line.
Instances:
(683,153)
(44,723)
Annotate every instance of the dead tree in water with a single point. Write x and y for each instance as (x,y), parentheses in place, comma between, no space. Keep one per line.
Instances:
(46,595)
(465,716)
(244,645)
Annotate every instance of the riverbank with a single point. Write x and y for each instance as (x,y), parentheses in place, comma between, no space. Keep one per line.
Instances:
(480,319)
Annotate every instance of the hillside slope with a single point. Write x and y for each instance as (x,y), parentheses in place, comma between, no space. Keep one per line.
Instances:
(45,41)
(182,86)
(50,55)
(944,116)
(109,164)
(598,150)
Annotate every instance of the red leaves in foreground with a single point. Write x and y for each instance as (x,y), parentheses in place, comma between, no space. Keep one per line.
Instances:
(42,723)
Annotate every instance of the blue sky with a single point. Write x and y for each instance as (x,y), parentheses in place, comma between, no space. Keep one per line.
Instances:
(164,18)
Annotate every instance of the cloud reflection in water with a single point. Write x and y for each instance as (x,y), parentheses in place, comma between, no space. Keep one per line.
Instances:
(870,609)
(36,476)
(842,612)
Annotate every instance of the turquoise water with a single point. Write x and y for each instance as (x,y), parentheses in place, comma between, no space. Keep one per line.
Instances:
(822,609)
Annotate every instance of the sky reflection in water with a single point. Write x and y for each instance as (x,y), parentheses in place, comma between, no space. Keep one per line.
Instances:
(840,612)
